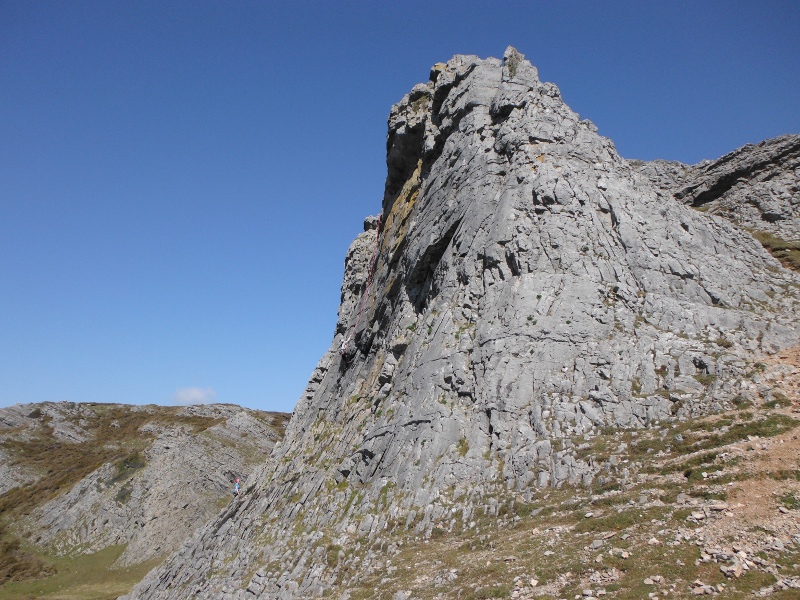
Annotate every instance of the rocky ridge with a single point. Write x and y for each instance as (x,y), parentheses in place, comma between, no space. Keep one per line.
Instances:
(530,289)
(756,187)
(83,477)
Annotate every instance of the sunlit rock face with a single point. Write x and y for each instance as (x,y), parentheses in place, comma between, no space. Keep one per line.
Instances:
(522,286)
(756,187)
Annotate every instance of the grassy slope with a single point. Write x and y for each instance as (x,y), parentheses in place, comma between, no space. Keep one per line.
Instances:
(80,577)
(640,532)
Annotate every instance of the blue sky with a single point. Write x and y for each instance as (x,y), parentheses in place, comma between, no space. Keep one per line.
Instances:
(179,181)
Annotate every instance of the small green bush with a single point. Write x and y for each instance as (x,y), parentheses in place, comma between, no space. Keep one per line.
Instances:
(463,446)
(124,493)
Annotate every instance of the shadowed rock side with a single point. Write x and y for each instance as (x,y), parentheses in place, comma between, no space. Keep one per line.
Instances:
(756,186)
(529,288)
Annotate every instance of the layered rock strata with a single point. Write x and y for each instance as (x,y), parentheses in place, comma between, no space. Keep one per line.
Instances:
(756,187)
(530,288)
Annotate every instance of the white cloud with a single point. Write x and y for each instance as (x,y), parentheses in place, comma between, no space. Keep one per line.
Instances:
(194,395)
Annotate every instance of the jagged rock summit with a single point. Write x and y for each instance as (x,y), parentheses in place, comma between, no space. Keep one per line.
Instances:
(528,286)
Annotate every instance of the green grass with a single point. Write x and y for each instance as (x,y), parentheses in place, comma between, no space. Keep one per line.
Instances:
(82,577)
(332,554)
(771,426)
(779,400)
(618,520)
(788,253)
(463,446)
(645,445)
(127,466)
(786,474)
(492,591)
(124,493)
(790,500)
(705,378)
(18,564)
(724,342)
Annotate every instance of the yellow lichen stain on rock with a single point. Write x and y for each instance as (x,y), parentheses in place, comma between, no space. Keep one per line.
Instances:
(436,70)
(394,230)
(421,104)
(395,227)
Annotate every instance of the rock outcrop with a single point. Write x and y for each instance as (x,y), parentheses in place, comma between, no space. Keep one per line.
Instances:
(529,286)
(160,472)
(757,186)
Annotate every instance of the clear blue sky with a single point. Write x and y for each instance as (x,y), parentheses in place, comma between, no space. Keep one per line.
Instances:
(179,181)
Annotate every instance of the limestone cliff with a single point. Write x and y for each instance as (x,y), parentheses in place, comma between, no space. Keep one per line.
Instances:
(529,286)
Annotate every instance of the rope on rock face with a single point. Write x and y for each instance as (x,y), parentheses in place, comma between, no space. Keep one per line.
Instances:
(346,341)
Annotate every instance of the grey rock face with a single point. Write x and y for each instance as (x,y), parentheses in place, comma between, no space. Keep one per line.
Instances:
(756,186)
(11,476)
(530,287)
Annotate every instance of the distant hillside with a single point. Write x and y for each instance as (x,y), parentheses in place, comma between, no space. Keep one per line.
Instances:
(115,485)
